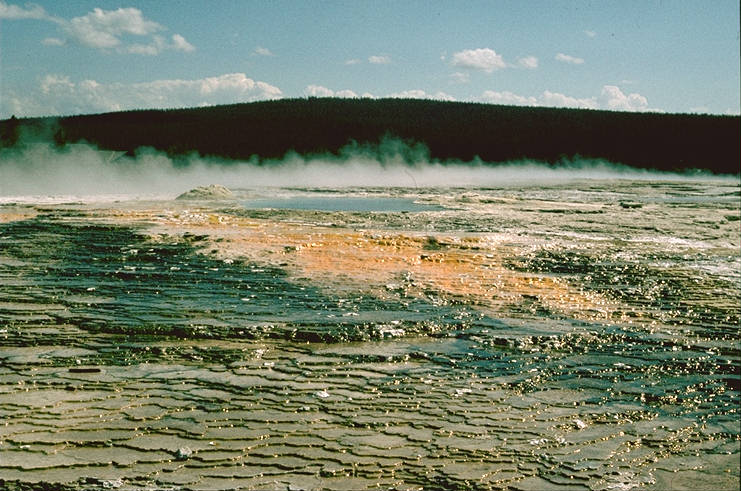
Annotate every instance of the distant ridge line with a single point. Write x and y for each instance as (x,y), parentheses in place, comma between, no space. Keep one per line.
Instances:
(450,130)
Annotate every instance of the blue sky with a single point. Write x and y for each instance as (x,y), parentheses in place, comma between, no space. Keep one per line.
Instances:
(69,57)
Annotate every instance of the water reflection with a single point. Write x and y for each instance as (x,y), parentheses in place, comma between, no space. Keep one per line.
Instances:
(527,339)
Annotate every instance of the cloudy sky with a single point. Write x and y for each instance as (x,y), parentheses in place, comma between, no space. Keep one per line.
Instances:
(69,57)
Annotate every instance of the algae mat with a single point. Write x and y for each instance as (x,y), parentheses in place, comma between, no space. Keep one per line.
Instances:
(580,336)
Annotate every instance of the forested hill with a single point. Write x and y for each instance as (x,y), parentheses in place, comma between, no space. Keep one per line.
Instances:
(451,130)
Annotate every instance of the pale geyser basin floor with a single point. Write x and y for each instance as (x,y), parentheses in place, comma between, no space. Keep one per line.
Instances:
(566,338)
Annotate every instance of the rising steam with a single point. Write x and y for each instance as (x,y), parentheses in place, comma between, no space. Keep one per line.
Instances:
(85,172)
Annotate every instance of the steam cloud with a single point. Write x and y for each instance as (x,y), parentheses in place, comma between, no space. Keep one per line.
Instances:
(84,172)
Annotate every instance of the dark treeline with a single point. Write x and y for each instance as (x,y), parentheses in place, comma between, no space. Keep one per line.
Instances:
(451,130)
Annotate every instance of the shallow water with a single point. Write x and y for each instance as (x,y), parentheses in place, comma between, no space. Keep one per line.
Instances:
(575,336)
(339,203)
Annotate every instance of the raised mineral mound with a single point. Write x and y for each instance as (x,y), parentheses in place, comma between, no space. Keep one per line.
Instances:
(213,191)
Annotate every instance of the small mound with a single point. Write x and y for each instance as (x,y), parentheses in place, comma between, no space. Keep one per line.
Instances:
(213,191)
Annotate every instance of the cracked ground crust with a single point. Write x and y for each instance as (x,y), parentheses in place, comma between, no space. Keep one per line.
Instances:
(622,406)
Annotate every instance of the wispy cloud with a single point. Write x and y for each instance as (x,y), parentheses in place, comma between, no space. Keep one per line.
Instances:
(107,30)
(318,91)
(507,98)
(179,43)
(421,94)
(547,99)
(460,77)
(557,99)
(261,51)
(528,62)
(53,42)
(379,59)
(590,34)
(321,91)
(159,44)
(573,60)
(484,59)
(353,61)
(58,94)
(30,11)
(610,98)
(104,28)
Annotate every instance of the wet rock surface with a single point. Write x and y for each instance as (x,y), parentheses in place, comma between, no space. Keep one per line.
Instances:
(170,348)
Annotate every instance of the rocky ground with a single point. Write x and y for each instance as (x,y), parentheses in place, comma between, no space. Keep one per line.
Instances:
(545,339)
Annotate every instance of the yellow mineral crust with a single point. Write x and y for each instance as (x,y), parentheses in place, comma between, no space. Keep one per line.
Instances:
(443,268)
(13,214)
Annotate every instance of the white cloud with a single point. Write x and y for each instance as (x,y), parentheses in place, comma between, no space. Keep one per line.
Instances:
(442,96)
(590,34)
(159,44)
(321,91)
(104,29)
(379,60)
(569,59)
(610,98)
(410,94)
(353,61)
(485,59)
(507,98)
(30,11)
(556,99)
(180,44)
(421,94)
(349,94)
(233,85)
(57,94)
(53,42)
(151,49)
(58,84)
(318,91)
(614,99)
(460,77)
(528,62)
(263,51)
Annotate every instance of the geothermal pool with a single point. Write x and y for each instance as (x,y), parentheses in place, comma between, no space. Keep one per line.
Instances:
(581,335)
